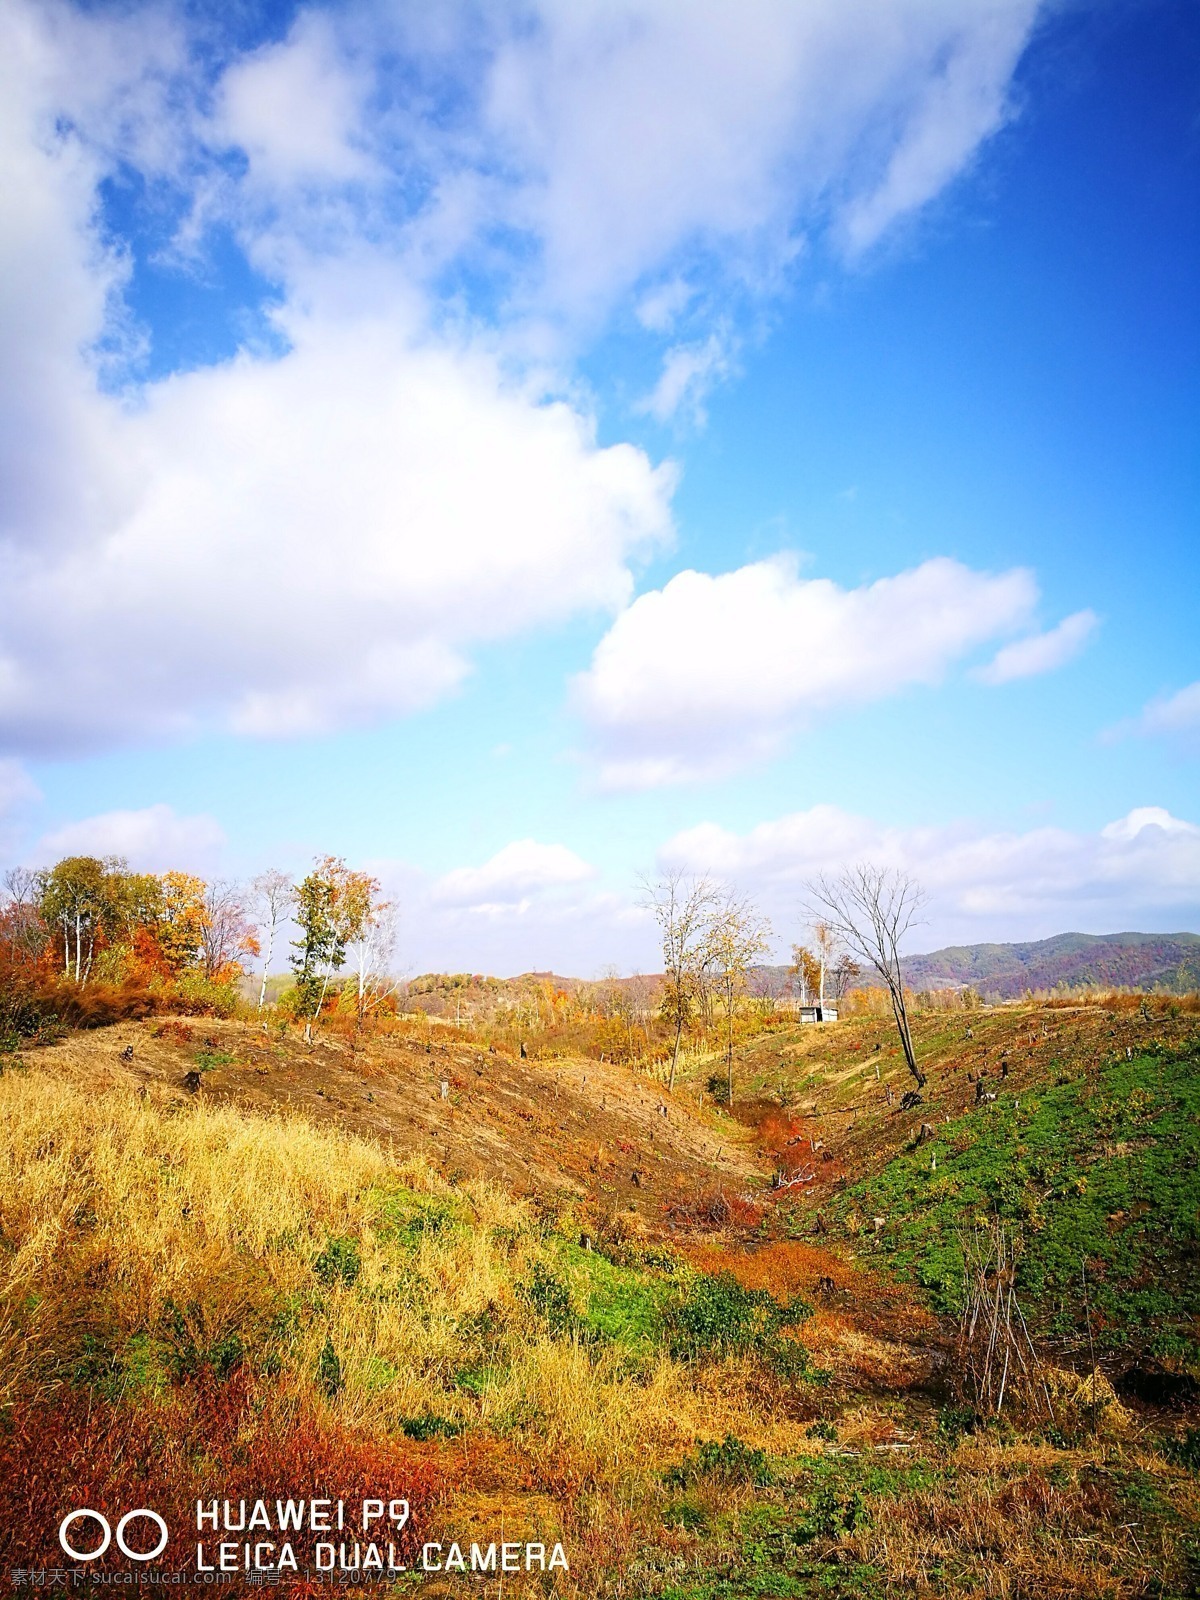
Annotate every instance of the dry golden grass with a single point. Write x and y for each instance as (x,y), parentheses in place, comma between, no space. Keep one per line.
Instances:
(1020,1526)
(120,1211)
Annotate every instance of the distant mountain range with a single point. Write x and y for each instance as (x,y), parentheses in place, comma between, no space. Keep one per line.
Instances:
(1165,961)
(1169,961)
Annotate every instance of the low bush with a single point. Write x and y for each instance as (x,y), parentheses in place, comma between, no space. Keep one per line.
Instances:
(1184,1450)
(729,1459)
(716,1316)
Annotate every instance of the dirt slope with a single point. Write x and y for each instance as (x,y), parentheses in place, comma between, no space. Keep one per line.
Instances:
(573,1128)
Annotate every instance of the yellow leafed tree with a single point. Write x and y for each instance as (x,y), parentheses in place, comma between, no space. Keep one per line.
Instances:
(184,920)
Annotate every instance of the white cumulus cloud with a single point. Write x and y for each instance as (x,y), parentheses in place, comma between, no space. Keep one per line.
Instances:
(152,839)
(530,907)
(1140,871)
(707,673)
(512,876)
(295,109)
(275,546)
(323,535)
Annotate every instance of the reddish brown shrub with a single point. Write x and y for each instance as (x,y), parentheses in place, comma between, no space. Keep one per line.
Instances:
(174,1030)
(206,1440)
(97,1005)
(717,1210)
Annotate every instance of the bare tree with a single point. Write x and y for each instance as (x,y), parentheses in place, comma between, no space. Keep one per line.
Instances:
(870,909)
(846,974)
(737,936)
(371,944)
(274,894)
(21,925)
(683,907)
(226,933)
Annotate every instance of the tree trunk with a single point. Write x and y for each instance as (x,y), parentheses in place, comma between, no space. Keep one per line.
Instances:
(900,1012)
(321,1000)
(675,1052)
(729,1044)
(262,993)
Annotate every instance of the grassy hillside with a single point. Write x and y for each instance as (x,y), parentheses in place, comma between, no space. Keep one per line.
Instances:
(290,1301)
(1099,1177)
(317,1274)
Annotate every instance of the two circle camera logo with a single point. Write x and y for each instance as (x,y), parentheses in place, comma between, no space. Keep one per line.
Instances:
(84,1514)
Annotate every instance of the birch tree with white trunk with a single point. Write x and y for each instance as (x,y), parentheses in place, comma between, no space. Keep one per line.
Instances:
(274,895)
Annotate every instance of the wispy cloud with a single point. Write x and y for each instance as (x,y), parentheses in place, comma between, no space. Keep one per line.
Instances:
(1172,717)
(689,373)
(1041,652)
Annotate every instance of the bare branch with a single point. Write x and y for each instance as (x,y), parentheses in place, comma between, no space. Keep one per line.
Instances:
(870,909)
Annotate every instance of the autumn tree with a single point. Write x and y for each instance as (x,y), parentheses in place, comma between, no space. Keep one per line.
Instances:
(370,927)
(318,951)
(683,908)
(805,970)
(737,937)
(76,900)
(183,921)
(131,925)
(227,935)
(845,974)
(22,928)
(870,909)
(88,906)
(825,948)
(272,895)
(814,964)
(334,909)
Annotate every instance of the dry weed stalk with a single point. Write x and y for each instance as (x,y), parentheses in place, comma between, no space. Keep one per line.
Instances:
(996,1359)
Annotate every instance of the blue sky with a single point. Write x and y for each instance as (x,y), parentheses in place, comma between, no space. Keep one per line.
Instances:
(520,446)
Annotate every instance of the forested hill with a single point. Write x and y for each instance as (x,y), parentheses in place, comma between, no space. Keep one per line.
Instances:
(1111,961)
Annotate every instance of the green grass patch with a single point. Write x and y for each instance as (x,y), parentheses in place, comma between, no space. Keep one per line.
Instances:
(206,1060)
(339,1262)
(715,1315)
(405,1218)
(1101,1173)
(619,1304)
(730,1460)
